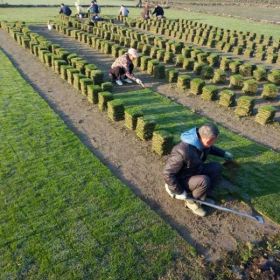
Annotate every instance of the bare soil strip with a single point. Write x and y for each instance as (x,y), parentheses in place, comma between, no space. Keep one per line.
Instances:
(129,158)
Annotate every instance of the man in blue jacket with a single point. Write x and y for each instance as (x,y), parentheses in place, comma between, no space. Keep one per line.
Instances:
(65,10)
(186,170)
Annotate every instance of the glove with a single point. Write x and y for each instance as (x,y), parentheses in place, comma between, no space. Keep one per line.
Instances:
(228,156)
(138,81)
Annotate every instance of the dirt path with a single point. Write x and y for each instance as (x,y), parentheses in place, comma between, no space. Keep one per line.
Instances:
(129,158)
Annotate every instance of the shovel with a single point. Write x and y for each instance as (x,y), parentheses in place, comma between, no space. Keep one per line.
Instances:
(253,217)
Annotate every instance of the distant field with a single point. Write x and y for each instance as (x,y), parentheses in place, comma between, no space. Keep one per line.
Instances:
(42,15)
(68,2)
(256,13)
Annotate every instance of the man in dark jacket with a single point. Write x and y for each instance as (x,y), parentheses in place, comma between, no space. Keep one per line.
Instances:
(65,10)
(158,11)
(185,170)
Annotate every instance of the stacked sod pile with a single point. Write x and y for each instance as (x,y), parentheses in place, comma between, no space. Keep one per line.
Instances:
(130,116)
(236,81)
(172,75)
(183,82)
(162,142)
(92,93)
(196,86)
(103,98)
(250,86)
(219,77)
(265,114)
(209,92)
(270,91)
(245,106)
(274,77)
(227,98)
(115,110)
(145,128)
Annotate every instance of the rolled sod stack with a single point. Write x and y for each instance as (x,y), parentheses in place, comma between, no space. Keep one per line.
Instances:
(245,106)
(265,114)
(270,91)
(219,77)
(115,110)
(197,85)
(236,81)
(77,78)
(227,98)
(250,86)
(151,65)
(172,75)
(209,92)
(84,83)
(159,71)
(259,74)
(145,128)
(183,82)
(92,93)
(107,86)
(162,142)
(97,76)
(130,117)
(103,98)
(274,77)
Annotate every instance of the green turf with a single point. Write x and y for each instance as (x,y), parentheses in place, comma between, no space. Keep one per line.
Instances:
(63,214)
(44,14)
(258,174)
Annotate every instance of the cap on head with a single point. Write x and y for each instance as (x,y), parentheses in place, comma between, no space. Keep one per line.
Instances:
(133,52)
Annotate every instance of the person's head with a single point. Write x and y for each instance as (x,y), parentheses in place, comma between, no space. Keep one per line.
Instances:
(132,53)
(208,134)
(62,4)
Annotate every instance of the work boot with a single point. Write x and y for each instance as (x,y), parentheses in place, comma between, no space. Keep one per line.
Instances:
(195,207)
(181,196)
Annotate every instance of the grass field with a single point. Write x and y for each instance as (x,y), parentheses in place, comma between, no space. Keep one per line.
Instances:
(255,162)
(42,15)
(68,217)
(68,2)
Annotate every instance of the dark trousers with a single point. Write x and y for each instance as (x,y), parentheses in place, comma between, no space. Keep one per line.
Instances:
(118,73)
(201,185)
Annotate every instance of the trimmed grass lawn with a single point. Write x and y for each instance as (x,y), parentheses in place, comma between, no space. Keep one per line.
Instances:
(42,15)
(258,171)
(63,214)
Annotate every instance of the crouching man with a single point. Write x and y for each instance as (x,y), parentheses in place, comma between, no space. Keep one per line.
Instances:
(122,69)
(185,170)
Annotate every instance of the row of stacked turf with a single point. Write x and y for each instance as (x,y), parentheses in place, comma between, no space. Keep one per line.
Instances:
(84,76)
(164,50)
(227,98)
(71,68)
(248,44)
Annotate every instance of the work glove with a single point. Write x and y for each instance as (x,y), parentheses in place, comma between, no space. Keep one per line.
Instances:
(228,156)
(139,82)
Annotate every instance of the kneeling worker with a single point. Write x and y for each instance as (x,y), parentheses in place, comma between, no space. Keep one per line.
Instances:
(121,70)
(185,170)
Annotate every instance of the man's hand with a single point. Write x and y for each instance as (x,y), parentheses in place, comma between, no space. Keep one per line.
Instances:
(139,82)
(228,156)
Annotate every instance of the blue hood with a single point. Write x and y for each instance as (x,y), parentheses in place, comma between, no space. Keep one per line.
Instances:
(190,137)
